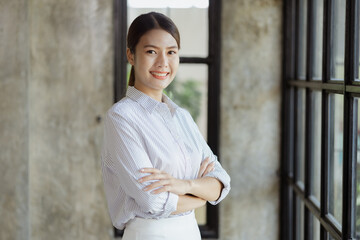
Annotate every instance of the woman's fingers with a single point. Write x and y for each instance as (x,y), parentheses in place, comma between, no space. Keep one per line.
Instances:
(203,167)
(156,184)
(209,168)
(155,175)
(206,167)
(150,170)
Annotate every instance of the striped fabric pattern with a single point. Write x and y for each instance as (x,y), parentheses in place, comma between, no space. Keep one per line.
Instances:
(140,132)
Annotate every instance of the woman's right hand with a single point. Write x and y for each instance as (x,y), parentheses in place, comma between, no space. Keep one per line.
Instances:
(206,167)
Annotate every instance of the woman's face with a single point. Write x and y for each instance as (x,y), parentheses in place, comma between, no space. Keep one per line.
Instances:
(155,61)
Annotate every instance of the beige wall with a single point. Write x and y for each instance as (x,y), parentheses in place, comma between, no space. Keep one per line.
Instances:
(56,78)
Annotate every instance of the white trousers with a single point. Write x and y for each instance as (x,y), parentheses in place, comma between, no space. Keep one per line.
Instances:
(175,228)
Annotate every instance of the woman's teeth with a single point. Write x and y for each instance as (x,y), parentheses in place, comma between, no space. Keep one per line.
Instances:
(159,74)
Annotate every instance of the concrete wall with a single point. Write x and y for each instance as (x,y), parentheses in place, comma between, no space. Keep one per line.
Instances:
(250,117)
(56,82)
(14,125)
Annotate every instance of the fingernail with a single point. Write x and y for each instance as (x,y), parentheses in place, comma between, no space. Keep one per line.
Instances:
(142,170)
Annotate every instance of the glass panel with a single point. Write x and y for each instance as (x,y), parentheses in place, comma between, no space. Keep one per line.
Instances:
(338,40)
(194,30)
(189,90)
(299,218)
(357,130)
(316,112)
(191,18)
(319,12)
(300,134)
(302,39)
(316,228)
(336,153)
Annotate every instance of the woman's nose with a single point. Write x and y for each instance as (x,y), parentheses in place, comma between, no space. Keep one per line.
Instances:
(162,60)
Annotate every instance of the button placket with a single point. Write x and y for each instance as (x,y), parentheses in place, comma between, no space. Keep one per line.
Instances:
(170,124)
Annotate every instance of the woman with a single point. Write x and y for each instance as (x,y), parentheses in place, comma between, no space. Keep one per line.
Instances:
(157,168)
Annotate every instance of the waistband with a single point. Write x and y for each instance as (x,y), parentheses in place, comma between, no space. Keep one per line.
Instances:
(164,222)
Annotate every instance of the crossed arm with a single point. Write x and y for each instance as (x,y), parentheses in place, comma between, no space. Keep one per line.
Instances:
(193,193)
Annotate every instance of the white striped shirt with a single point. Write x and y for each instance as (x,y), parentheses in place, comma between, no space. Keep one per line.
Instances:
(141,132)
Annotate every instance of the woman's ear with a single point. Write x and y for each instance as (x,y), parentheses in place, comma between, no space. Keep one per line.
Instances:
(130,56)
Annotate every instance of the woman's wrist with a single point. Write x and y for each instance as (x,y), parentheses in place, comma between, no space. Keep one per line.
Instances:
(190,187)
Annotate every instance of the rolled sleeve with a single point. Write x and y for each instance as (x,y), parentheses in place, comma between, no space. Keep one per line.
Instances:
(220,174)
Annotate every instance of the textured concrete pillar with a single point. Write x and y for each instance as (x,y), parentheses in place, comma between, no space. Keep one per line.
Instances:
(14,209)
(55,86)
(70,90)
(250,117)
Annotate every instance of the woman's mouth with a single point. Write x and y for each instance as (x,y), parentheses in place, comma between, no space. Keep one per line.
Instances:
(160,75)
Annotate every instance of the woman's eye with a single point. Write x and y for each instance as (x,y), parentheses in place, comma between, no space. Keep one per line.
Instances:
(150,51)
(172,52)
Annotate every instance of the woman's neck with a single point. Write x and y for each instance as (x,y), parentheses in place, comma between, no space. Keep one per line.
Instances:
(155,94)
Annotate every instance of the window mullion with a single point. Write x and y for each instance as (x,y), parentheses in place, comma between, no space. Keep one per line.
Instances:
(308,225)
(120,61)
(327,41)
(297,38)
(324,196)
(349,158)
(324,163)
(213,126)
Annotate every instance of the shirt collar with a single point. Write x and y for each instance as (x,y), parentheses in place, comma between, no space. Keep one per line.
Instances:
(149,103)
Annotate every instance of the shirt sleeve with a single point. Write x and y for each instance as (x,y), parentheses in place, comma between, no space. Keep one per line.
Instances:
(218,172)
(124,155)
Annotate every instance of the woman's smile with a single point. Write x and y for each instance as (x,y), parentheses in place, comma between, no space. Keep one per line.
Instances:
(160,75)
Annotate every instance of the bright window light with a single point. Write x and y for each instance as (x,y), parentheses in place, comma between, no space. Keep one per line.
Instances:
(168,3)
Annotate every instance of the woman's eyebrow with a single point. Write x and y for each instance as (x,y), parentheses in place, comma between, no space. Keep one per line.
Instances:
(153,46)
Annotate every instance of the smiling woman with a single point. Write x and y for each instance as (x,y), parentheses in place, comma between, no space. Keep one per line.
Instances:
(157,167)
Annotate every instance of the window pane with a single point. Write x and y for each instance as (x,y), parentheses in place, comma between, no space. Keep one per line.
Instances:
(330,237)
(300,133)
(191,18)
(302,39)
(336,153)
(193,27)
(338,40)
(316,112)
(357,130)
(190,90)
(316,228)
(299,219)
(319,12)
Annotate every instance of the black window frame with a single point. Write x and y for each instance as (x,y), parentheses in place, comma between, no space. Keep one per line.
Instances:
(290,190)
(213,60)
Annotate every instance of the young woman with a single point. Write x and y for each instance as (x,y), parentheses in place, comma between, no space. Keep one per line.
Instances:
(157,168)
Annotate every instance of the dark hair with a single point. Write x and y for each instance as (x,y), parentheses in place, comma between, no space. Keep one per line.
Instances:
(144,23)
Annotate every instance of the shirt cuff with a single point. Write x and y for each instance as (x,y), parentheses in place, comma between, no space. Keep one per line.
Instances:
(224,178)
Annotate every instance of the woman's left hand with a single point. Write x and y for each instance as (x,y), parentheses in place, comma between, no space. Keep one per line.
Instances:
(165,183)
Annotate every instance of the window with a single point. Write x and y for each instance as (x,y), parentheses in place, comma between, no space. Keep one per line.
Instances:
(320,165)
(198,74)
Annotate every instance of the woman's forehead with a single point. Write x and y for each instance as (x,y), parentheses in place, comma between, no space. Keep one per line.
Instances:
(158,38)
